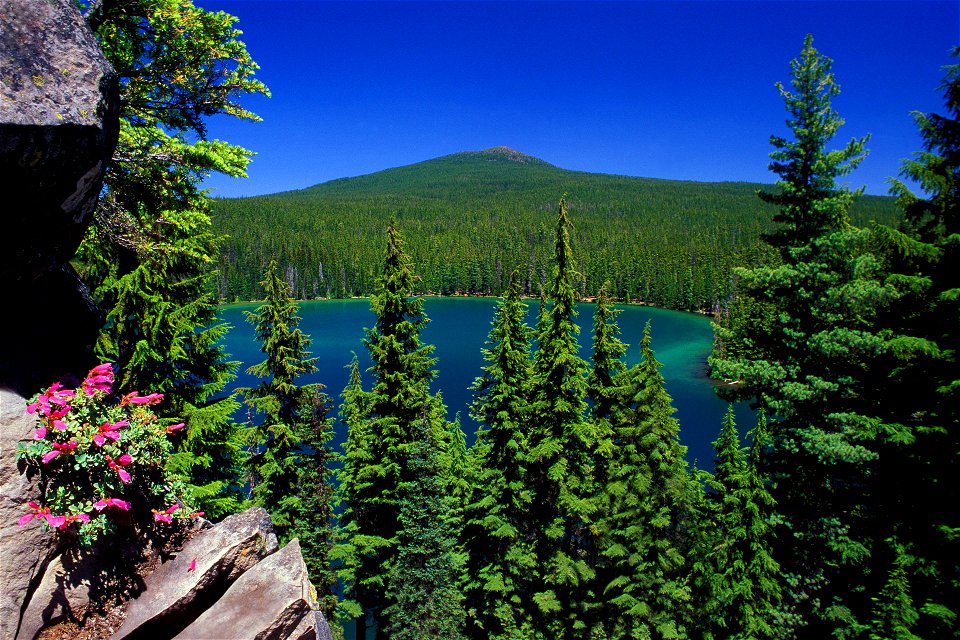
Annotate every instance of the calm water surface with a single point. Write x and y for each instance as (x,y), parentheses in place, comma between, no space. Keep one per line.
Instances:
(458,328)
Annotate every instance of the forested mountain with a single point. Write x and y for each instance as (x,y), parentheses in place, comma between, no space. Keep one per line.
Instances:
(471,218)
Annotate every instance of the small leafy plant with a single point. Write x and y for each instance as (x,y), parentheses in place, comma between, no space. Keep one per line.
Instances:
(101,461)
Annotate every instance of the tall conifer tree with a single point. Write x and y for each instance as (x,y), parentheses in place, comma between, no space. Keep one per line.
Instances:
(498,552)
(287,408)
(560,455)
(820,363)
(147,258)
(392,412)
(426,576)
(643,566)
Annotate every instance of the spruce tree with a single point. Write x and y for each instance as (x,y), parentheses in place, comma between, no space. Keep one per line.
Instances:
(146,260)
(559,461)
(893,613)
(354,550)
(287,408)
(426,575)
(745,590)
(396,407)
(498,552)
(643,565)
(923,469)
(818,360)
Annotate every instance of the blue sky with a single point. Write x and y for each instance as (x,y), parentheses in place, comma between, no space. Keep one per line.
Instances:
(664,89)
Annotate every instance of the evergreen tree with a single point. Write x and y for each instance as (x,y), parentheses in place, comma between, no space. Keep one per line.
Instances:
(498,553)
(314,526)
(355,549)
(745,590)
(894,614)
(399,403)
(146,259)
(560,456)
(287,408)
(642,567)
(608,352)
(426,575)
(819,360)
(922,471)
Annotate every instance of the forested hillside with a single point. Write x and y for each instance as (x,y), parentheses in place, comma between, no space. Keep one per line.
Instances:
(471,218)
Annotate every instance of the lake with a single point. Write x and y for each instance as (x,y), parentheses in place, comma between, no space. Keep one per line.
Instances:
(458,328)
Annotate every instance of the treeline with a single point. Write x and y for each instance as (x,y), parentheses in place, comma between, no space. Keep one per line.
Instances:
(471,218)
(573,515)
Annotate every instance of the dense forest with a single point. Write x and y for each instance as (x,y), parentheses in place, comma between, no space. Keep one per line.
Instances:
(473,217)
(573,515)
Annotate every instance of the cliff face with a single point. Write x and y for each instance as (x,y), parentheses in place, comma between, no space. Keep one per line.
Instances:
(59,106)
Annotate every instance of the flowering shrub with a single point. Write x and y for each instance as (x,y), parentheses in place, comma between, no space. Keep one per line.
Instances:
(101,461)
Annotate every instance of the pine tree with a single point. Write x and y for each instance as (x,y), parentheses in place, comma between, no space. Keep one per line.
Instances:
(894,614)
(499,557)
(314,526)
(426,575)
(146,259)
(286,407)
(745,590)
(818,360)
(399,403)
(353,551)
(643,566)
(923,468)
(560,455)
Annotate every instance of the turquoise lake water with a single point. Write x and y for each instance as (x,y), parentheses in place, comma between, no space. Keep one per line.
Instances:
(458,328)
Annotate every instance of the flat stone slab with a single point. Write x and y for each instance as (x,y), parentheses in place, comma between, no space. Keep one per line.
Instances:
(209,563)
(272,601)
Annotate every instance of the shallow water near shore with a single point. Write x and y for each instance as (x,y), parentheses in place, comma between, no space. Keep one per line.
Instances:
(458,328)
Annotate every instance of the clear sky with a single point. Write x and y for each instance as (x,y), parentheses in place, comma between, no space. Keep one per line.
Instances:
(665,89)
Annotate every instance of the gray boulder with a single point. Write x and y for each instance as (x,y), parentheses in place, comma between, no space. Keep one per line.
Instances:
(272,601)
(24,552)
(182,588)
(59,106)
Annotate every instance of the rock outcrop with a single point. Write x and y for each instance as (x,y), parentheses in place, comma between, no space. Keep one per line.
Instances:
(24,552)
(59,105)
(180,589)
(271,600)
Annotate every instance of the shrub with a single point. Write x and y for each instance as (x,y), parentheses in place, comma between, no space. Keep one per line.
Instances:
(101,461)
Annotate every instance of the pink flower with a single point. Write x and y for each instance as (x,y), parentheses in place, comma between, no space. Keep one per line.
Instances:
(153,398)
(164,516)
(109,432)
(122,461)
(197,514)
(175,427)
(59,448)
(193,565)
(59,425)
(80,517)
(40,434)
(100,505)
(37,512)
(100,378)
(56,522)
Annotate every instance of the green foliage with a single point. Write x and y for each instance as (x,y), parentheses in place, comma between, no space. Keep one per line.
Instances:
(276,444)
(101,462)
(147,259)
(472,218)
(642,568)
(426,575)
(559,457)
(383,426)
(498,554)
(745,591)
